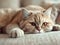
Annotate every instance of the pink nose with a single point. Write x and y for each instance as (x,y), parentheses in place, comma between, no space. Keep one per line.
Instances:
(38,28)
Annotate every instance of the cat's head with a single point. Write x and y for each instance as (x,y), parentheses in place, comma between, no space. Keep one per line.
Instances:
(40,21)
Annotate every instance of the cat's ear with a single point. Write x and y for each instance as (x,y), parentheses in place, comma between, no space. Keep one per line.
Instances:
(54,13)
(25,12)
(48,11)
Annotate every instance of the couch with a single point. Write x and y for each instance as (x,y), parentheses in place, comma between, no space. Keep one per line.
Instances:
(49,38)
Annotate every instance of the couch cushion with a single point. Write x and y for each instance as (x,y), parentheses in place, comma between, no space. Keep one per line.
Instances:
(50,38)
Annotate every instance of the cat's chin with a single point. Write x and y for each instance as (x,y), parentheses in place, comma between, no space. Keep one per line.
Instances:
(41,31)
(36,31)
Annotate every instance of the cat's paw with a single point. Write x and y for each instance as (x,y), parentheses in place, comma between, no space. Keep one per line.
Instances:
(16,32)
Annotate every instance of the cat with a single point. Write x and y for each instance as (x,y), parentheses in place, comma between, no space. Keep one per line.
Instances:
(28,25)
(10,28)
(31,22)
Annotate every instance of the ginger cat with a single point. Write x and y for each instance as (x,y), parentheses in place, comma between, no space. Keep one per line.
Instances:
(31,22)
(15,25)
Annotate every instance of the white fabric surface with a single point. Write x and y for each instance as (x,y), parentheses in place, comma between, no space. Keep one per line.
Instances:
(50,38)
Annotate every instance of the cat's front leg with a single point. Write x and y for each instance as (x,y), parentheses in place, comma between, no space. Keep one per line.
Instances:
(14,31)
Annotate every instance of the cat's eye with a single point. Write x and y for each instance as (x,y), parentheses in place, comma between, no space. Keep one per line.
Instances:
(45,23)
(32,23)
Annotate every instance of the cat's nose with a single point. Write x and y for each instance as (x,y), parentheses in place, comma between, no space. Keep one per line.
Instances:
(38,28)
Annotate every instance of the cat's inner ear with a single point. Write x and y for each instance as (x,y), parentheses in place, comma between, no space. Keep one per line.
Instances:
(48,12)
(25,12)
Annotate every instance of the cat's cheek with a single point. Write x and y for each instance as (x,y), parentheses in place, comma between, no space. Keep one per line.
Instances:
(50,28)
(36,31)
(29,28)
(16,33)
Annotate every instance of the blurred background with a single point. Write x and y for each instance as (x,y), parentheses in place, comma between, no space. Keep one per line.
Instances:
(22,3)
(43,3)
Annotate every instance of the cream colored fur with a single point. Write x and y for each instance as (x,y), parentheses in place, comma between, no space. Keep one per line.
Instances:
(20,22)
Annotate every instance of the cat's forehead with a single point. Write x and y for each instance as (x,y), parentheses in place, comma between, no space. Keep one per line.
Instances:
(35,11)
(39,16)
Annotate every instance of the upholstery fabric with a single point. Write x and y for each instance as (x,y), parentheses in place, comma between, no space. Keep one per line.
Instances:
(49,38)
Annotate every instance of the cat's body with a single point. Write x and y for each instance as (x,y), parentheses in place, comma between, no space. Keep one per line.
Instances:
(33,21)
